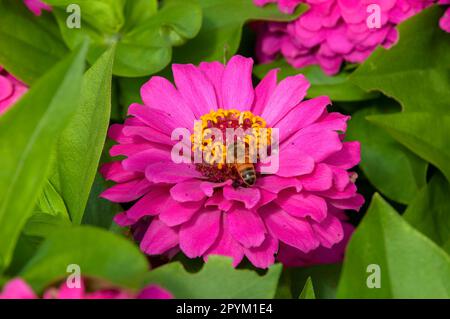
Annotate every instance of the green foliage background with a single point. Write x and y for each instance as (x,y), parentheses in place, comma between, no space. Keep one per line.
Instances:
(52,142)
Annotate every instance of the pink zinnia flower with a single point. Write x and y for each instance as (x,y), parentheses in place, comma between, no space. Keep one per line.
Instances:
(11,90)
(335,31)
(19,289)
(444,23)
(206,209)
(36,6)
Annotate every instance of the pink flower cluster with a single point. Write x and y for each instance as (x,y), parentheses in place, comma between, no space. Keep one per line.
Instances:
(36,6)
(334,31)
(19,289)
(11,90)
(204,209)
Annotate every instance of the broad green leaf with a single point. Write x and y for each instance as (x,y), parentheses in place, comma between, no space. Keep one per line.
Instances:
(221,31)
(425,134)
(42,224)
(338,87)
(51,202)
(98,253)
(410,264)
(416,71)
(103,15)
(29,45)
(50,213)
(28,135)
(308,290)
(217,279)
(80,146)
(390,167)
(144,41)
(430,211)
(100,212)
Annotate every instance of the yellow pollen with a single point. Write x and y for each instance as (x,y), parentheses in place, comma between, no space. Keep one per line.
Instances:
(253,126)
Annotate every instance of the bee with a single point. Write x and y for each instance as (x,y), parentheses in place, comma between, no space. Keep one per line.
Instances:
(245,170)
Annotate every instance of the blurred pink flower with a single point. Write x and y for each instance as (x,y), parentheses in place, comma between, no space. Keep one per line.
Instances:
(11,90)
(36,6)
(205,209)
(445,20)
(19,289)
(335,31)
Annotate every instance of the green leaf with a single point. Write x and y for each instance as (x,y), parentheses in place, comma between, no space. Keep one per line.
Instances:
(338,87)
(103,15)
(80,145)
(29,45)
(393,169)
(144,41)
(51,202)
(216,280)
(429,212)
(425,134)
(308,290)
(221,31)
(411,265)
(100,212)
(43,224)
(98,253)
(324,279)
(416,71)
(28,135)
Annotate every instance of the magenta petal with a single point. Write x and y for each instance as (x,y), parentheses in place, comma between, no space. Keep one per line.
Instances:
(195,88)
(245,226)
(65,292)
(159,93)
(176,213)
(237,86)
(294,163)
(169,172)
(248,196)
(329,231)
(154,292)
(188,191)
(139,161)
(318,145)
(286,95)
(198,234)
(319,180)
(264,90)
(354,203)
(348,157)
(275,184)
(288,229)
(114,172)
(219,201)
(302,115)
(263,255)
(214,72)
(6,88)
(123,220)
(209,187)
(303,205)
(126,192)
(159,238)
(151,204)
(226,245)
(17,289)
